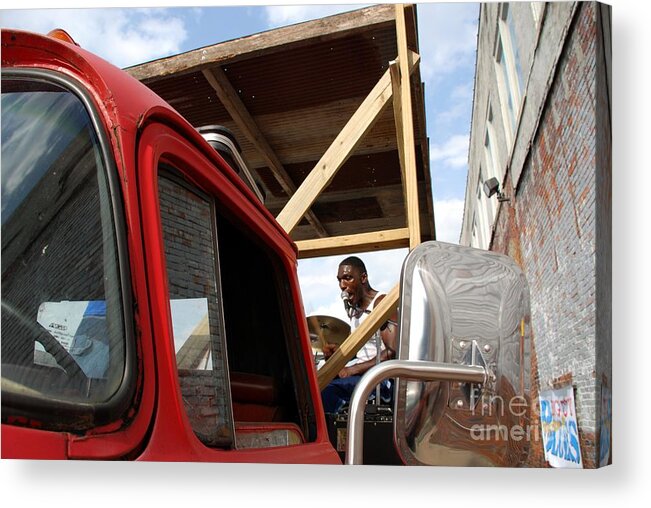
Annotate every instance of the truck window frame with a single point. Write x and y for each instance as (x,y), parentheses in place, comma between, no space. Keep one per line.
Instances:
(78,417)
(174,177)
(164,144)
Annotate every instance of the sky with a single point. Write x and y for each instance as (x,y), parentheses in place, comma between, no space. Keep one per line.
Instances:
(447,40)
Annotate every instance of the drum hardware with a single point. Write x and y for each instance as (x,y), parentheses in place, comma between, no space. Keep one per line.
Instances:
(327,330)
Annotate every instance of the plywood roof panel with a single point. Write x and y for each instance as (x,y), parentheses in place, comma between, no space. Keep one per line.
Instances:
(301,84)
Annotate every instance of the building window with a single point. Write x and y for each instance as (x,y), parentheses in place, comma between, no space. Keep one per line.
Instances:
(490,168)
(537,9)
(509,71)
(490,149)
(480,214)
(484,211)
(507,16)
(474,241)
(485,201)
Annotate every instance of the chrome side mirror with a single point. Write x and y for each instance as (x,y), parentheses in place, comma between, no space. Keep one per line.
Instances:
(464,306)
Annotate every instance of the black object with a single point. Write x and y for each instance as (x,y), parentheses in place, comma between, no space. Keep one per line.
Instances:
(379,448)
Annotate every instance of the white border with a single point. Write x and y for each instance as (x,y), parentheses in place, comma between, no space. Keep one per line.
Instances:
(95,485)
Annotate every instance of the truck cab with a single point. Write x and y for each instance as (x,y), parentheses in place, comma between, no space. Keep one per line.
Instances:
(150,302)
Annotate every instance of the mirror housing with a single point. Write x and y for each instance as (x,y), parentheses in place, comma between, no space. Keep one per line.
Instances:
(464,306)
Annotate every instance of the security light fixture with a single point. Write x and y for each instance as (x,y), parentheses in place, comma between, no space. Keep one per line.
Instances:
(492,187)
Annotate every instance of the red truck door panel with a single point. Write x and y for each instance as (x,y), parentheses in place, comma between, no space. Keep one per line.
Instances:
(234,378)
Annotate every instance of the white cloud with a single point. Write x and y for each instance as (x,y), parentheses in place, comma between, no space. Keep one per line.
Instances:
(448,215)
(281,15)
(452,152)
(122,36)
(319,289)
(457,111)
(462,92)
(448,37)
(332,308)
(459,103)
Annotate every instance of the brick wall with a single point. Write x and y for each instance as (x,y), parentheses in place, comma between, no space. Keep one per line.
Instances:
(63,261)
(550,228)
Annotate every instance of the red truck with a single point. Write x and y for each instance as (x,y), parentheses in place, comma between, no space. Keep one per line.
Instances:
(150,303)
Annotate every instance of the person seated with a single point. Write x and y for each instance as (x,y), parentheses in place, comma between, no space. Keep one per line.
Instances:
(359,300)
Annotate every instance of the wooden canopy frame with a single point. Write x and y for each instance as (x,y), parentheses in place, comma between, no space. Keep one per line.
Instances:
(181,80)
(394,84)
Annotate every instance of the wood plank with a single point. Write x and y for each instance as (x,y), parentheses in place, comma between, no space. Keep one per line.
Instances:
(380,240)
(271,41)
(394,68)
(347,228)
(427,225)
(303,135)
(388,195)
(236,108)
(196,347)
(341,148)
(348,349)
(412,27)
(409,170)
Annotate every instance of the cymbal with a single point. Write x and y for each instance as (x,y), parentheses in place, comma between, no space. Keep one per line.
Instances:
(327,329)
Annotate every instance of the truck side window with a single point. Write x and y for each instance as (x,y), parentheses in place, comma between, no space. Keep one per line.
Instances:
(191,254)
(269,386)
(242,376)
(63,325)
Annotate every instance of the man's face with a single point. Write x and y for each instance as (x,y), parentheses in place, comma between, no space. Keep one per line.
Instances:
(352,280)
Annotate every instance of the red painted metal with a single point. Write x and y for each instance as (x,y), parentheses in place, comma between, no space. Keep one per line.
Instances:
(25,443)
(143,130)
(160,143)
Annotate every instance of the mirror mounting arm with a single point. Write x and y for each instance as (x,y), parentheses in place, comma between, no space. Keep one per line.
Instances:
(405,369)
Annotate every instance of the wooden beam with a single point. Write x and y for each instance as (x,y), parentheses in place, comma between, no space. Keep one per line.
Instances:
(265,43)
(423,142)
(387,195)
(348,349)
(394,69)
(341,148)
(302,135)
(335,156)
(409,169)
(196,347)
(379,240)
(241,116)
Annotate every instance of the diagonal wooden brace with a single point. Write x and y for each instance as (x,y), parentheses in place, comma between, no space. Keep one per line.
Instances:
(348,349)
(340,149)
(229,98)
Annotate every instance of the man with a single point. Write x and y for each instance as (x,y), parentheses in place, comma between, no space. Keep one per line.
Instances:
(359,300)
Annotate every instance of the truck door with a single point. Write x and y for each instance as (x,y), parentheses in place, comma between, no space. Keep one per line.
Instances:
(68,348)
(235,382)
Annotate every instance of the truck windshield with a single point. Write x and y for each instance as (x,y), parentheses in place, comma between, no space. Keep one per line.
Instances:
(62,318)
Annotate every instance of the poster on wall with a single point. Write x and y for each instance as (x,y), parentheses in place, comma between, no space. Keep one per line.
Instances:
(560,430)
